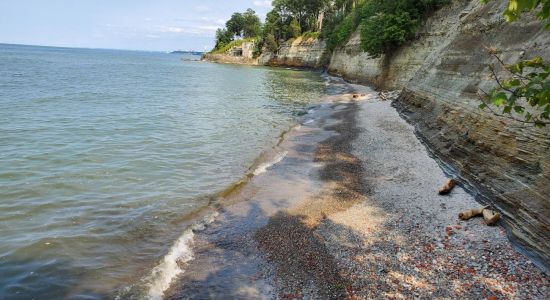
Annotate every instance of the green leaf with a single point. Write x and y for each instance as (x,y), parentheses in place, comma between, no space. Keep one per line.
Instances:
(499,99)
(507,110)
(519,109)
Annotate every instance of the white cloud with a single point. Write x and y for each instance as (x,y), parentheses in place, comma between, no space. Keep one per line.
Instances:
(201,8)
(197,29)
(262,3)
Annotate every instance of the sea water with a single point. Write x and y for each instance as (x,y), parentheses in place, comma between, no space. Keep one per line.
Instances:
(105,156)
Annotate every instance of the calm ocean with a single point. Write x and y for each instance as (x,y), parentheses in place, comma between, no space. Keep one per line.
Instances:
(105,155)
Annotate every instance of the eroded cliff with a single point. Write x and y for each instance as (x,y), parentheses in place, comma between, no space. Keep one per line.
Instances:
(441,73)
(308,53)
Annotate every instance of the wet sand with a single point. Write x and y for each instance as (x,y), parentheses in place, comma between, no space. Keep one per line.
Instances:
(352,212)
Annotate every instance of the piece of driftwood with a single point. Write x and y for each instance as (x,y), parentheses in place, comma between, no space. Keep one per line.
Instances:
(470,213)
(447,187)
(491,217)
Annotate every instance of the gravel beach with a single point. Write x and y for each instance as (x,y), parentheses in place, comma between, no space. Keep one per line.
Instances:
(353,212)
(406,241)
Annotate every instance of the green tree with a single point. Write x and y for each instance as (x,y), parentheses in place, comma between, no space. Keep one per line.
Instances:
(251,24)
(389,30)
(270,43)
(235,24)
(294,28)
(528,83)
(305,12)
(223,37)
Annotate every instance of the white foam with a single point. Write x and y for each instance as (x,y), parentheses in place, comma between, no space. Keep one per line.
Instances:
(169,268)
(309,121)
(262,168)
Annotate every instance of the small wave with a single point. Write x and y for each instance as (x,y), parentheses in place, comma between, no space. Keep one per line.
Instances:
(263,167)
(180,253)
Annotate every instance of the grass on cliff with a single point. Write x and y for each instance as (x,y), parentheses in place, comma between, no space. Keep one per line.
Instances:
(236,43)
(310,35)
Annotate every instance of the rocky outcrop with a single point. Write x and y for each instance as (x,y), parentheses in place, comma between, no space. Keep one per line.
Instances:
(241,54)
(506,163)
(396,70)
(303,53)
(300,53)
(229,59)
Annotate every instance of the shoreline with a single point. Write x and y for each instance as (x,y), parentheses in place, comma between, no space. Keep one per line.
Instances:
(334,229)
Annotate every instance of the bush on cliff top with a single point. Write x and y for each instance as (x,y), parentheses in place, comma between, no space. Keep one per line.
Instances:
(385,25)
(230,45)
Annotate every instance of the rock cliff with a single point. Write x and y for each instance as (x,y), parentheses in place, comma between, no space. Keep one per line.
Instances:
(308,53)
(505,163)
(300,52)
(242,54)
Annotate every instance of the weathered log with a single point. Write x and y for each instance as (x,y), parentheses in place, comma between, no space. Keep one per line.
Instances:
(470,213)
(491,217)
(447,187)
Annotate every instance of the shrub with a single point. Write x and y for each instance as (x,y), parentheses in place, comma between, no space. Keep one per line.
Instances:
(270,43)
(383,32)
(310,35)
(294,28)
(341,33)
(388,24)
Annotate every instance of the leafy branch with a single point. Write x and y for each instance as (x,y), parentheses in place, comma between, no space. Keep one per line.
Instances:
(516,7)
(529,83)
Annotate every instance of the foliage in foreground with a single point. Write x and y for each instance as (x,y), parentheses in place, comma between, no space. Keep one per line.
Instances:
(528,82)
(516,7)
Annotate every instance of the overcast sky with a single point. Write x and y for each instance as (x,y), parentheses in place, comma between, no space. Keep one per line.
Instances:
(162,25)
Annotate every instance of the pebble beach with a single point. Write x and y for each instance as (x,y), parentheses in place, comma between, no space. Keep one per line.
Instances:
(356,214)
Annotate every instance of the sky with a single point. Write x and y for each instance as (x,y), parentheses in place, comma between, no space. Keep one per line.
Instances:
(154,25)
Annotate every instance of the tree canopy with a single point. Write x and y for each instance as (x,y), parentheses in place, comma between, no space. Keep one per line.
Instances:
(240,25)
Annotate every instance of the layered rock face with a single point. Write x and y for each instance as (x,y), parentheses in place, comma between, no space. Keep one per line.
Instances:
(506,162)
(230,59)
(441,73)
(396,70)
(237,55)
(301,53)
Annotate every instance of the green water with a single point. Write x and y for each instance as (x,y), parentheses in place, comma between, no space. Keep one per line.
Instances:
(103,155)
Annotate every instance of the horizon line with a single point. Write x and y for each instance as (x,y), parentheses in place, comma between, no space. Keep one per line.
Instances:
(97,48)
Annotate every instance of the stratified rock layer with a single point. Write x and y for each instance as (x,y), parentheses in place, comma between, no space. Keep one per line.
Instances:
(303,53)
(441,74)
(506,162)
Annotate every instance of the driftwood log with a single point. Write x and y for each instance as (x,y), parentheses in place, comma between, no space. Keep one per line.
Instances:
(447,187)
(491,217)
(470,213)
